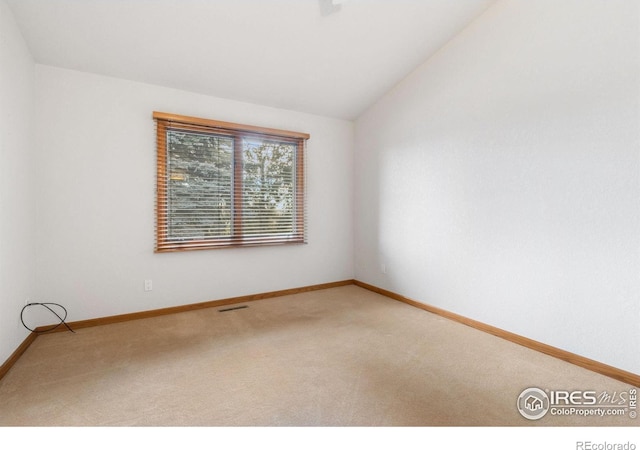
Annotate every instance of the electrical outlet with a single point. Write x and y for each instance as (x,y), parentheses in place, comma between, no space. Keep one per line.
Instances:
(148,285)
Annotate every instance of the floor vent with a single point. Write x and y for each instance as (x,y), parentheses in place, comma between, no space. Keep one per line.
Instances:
(233,309)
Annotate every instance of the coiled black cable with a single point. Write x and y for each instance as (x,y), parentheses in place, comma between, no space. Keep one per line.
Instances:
(46,305)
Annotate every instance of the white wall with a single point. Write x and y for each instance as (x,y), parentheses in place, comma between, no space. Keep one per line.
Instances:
(500,180)
(16,182)
(96,171)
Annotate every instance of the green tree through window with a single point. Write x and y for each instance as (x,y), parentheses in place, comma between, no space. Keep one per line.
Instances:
(222,184)
(268,187)
(199,186)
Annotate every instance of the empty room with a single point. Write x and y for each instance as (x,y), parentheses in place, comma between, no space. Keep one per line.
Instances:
(317,213)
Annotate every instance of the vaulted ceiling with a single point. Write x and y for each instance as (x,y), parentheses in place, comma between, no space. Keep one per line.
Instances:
(333,58)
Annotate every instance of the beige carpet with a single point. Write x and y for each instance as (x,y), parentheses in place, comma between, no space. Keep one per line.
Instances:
(337,357)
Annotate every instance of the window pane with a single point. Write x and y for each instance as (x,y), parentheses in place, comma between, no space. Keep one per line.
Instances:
(199,185)
(223,185)
(268,187)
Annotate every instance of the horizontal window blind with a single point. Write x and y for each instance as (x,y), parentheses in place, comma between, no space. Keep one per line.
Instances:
(221,184)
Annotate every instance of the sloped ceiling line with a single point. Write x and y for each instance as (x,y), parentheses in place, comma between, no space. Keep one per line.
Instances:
(280,53)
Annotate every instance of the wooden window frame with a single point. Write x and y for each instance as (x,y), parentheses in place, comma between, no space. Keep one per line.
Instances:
(165,122)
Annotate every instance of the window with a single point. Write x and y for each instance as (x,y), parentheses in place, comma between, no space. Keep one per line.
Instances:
(221,184)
